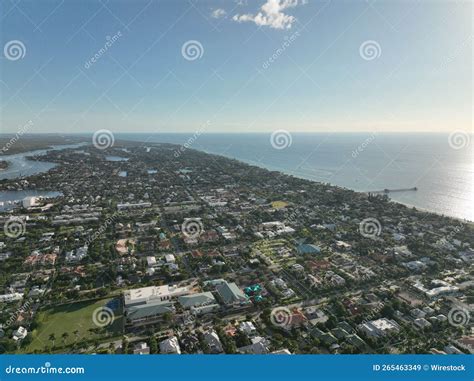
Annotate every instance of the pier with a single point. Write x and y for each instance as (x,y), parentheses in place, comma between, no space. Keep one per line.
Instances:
(386,190)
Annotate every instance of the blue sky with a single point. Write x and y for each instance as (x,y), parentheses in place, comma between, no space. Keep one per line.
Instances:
(322,76)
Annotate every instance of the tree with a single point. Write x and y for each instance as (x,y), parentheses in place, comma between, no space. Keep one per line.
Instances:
(76,334)
(52,338)
(153,345)
(64,336)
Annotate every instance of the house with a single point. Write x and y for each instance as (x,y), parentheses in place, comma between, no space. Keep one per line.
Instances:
(150,261)
(212,340)
(422,323)
(80,253)
(248,328)
(259,346)
(170,346)
(141,349)
(20,333)
(284,351)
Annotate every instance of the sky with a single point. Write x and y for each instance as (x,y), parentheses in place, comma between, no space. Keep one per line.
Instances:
(76,66)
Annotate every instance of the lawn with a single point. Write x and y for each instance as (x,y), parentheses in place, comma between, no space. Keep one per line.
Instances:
(77,320)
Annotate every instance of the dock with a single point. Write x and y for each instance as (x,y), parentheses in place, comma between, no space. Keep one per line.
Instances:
(386,190)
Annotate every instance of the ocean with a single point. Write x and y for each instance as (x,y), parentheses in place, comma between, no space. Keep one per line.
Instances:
(439,166)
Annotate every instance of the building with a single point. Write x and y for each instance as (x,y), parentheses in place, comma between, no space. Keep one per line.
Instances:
(138,205)
(170,346)
(148,304)
(248,328)
(231,294)
(148,313)
(259,346)
(80,253)
(199,303)
(145,295)
(379,327)
(5,298)
(20,333)
(141,349)
(29,202)
(212,340)
(308,249)
(151,261)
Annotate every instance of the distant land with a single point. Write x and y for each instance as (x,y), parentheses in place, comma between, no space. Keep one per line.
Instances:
(11,144)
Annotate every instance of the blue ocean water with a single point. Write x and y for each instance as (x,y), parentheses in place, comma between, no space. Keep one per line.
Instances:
(442,168)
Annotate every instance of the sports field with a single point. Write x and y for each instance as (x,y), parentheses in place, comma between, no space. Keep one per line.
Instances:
(82,322)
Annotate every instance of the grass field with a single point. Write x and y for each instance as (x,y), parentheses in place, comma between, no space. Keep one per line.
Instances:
(78,320)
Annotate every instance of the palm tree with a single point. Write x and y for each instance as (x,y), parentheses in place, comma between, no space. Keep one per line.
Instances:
(76,334)
(64,336)
(52,338)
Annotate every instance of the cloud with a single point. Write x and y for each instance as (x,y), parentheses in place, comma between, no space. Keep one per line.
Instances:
(218,13)
(271,14)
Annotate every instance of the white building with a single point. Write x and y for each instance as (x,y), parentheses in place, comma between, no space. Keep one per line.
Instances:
(11,297)
(170,346)
(151,261)
(29,202)
(78,255)
(154,293)
(379,327)
(248,328)
(20,333)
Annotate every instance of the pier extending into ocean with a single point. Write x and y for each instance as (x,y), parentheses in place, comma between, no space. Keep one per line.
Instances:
(386,190)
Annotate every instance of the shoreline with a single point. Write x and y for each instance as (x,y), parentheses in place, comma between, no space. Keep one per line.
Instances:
(419,208)
(284,172)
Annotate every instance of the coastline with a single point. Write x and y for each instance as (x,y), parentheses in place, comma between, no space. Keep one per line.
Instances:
(125,142)
(408,205)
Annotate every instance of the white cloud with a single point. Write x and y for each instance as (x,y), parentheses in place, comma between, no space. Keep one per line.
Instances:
(218,13)
(271,14)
